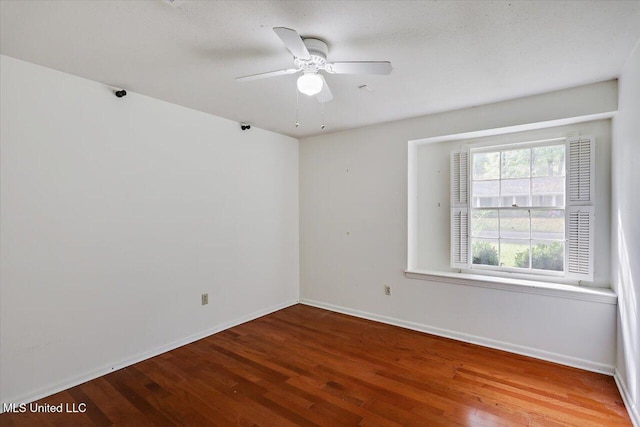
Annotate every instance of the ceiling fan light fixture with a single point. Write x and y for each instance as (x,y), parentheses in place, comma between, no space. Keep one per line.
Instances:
(310,57)
(310,84)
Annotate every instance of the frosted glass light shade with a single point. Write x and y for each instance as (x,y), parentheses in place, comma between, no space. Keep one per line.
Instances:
(310,84)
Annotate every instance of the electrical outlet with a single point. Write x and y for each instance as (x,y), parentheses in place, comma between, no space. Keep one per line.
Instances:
(205,299)
(387,290)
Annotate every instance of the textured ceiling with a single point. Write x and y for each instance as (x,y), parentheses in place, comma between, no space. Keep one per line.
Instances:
(446,55)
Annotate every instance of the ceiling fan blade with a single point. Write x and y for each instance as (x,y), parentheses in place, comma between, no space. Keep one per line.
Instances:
(325,94)
(269,74)
(293,42)
(359,67)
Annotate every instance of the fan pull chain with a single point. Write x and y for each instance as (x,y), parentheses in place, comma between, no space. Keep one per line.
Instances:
(297,122)
(322,126)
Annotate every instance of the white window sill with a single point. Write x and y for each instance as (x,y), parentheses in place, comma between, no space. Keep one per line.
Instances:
(601,295)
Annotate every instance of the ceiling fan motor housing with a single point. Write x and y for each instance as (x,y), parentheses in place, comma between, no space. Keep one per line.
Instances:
(318,51)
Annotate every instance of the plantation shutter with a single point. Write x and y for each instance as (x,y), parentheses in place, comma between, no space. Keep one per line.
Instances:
(581,160)
(459,210)
(579,221)
(579,247)
(459,238)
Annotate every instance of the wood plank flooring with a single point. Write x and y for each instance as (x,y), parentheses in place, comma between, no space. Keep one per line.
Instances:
(303,366)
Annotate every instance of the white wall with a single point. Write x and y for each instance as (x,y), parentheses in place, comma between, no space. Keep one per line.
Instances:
(626,230)
(117,214)
(353,238)
(433,188)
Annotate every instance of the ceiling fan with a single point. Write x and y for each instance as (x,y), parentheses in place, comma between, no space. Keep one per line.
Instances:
(310,57)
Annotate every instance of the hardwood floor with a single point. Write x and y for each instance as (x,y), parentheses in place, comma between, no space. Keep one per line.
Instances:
(303,366)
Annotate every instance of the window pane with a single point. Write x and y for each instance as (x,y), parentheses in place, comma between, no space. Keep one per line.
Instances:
(514,224)
(491,188)
(548,185)
(485,252)
(516,163)
(547,255)
(548,161)
(547,224)
(486,202)
(484,223)
(515,186)
(486,166)
(514,253)
(485,193)
(550,188)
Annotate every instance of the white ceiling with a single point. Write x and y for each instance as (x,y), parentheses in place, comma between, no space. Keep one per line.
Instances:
(446,55)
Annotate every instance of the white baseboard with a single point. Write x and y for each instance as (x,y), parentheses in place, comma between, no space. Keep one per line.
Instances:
(632,408)
(88,376)
(473,339)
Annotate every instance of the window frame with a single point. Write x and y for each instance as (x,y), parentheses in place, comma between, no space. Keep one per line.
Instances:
(500,148)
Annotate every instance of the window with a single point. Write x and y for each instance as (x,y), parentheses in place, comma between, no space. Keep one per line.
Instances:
(517,208)
(524,208)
